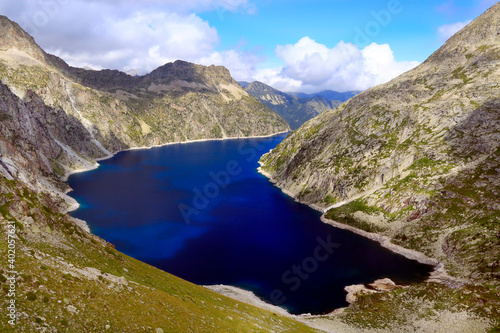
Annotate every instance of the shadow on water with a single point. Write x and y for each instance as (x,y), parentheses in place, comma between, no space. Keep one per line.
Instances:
(240,230)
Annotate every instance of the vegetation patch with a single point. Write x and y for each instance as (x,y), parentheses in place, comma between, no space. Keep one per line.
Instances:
(345,214)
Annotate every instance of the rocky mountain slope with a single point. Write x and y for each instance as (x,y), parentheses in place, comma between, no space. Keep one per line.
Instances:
(296,111)
(416,160)
(176,102)
(54,119)
(112,111)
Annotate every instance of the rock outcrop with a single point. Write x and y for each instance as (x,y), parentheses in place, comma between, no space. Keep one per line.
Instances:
(377,286)
(382,285)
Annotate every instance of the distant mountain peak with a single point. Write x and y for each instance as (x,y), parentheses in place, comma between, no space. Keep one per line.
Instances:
(328,94)
(176,102)
(188,75)
(295,110)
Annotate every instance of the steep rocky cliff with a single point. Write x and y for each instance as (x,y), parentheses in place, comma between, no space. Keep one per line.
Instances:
(296,111)
(416,159)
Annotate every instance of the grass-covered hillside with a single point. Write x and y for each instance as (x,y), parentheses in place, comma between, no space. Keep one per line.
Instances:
(71,281)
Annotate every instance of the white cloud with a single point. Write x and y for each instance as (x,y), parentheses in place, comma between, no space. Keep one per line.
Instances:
(310,66)
(447,30)
(140,36)
(274,78)
(241,64)
(144,41)
(132,35)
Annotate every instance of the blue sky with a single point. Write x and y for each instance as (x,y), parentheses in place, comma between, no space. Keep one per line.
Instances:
(291,44)
(411,30)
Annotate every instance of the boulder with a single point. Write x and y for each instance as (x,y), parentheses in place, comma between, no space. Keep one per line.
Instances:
(382,284)
(123,281)
(356,290)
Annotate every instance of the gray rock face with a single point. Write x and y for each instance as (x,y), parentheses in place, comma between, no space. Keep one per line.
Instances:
(11,34)
(385,159)
(36,138)
(357,290)
(296,111)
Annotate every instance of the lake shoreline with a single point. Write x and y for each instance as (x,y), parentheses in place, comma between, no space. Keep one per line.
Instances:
(96,165)
(74,205)
(438,274)
(245,295)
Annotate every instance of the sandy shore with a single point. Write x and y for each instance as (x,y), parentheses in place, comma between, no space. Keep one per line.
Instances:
(385,242)
(324,323)
(248,297)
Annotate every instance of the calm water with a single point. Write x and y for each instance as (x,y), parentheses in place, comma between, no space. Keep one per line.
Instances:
(202,212)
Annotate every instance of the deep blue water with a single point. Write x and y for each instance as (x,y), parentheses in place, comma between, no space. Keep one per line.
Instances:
(202,212)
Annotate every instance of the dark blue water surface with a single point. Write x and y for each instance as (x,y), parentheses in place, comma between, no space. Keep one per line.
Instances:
(201,211)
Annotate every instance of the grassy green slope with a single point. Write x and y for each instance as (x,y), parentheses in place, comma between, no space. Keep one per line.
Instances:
(56,290)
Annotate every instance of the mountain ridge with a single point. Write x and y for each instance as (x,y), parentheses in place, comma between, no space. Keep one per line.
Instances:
(328,94)
(71,280)
(176,102)
(295,110)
